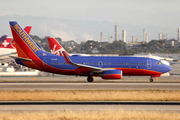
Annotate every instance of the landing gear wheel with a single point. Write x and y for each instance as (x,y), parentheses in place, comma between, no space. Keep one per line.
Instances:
(90,79)
(151,80)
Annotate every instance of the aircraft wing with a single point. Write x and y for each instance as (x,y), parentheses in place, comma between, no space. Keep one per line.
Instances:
(94,69)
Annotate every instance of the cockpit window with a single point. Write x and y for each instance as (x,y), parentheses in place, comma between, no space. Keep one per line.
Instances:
(159,63)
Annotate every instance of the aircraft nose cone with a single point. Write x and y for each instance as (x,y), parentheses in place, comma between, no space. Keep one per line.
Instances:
(168,68)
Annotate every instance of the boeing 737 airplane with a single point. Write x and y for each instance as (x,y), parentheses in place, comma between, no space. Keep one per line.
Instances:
(30,55)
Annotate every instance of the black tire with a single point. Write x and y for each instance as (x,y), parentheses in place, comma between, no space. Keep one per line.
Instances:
(151,80)
(90,79)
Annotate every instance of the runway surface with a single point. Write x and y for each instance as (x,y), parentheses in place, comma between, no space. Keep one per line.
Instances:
(73,79)
(89,86)
(75,106)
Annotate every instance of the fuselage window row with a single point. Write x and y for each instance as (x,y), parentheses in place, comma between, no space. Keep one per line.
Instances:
(105,63)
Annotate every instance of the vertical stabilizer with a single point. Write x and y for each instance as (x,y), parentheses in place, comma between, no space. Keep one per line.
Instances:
(23,40)
(55,47)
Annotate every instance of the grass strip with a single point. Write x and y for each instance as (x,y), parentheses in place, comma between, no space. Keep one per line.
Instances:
(89,95)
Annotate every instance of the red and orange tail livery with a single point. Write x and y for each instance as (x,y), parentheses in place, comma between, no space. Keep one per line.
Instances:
(11,45)
(24,40)
(27,49)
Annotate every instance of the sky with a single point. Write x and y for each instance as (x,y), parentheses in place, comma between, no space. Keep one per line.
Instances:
(162,15)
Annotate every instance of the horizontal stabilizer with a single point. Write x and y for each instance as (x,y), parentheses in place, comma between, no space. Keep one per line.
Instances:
(21,59)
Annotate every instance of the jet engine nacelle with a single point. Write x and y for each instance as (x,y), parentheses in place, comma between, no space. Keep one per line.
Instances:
(112,74)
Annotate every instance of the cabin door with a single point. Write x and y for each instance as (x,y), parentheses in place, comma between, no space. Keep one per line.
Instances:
(149,64)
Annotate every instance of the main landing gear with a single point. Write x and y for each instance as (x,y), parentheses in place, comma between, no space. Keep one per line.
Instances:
(151,80)
(90,79)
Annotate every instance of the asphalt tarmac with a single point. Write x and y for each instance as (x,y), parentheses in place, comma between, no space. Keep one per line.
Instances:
(89,86)
(81,106)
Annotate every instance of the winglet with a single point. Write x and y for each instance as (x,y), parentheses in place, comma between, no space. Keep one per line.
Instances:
(66,57)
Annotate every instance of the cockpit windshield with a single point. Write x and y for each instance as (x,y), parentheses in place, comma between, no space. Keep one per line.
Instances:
(165,62)
(159,63)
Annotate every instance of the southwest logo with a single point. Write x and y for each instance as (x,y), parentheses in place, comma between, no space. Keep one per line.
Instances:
(25,38)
